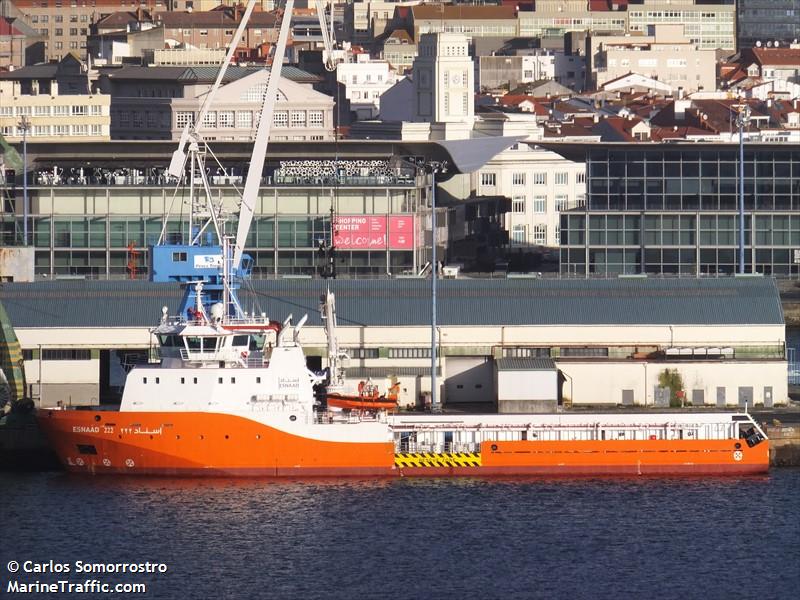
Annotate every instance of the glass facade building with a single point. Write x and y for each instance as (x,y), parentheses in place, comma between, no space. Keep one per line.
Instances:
(672,209)
(101,230)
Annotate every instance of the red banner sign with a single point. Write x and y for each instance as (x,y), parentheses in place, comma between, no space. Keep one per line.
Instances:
(358,232)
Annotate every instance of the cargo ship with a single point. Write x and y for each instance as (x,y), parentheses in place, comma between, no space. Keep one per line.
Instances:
(232,397)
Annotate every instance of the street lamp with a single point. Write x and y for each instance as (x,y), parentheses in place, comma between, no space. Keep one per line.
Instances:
(434,167)
(742,120)
(24,125)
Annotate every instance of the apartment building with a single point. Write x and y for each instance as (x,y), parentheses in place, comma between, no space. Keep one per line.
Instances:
(665,54)
(554,18)
(364,82)
(51,102)
(65,24)
(710,25)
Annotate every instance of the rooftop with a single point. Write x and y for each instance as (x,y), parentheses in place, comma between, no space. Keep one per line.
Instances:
(406,302)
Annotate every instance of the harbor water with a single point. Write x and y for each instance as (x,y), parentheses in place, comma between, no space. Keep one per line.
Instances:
(413,538)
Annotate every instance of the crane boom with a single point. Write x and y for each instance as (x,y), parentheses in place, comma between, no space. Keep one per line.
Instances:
(327,35)
(253,181)
(190,130)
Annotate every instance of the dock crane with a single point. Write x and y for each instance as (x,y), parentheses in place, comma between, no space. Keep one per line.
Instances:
(206,256)
(206,218)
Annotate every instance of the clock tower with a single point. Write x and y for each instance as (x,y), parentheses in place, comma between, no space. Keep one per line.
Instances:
(444,79)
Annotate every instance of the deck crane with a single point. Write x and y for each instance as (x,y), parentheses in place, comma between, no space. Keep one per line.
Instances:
(196,261)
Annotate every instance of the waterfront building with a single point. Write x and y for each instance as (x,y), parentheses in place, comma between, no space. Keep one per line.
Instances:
(540,183)
(672,209)
(610,341)
(94,208)
(174,96)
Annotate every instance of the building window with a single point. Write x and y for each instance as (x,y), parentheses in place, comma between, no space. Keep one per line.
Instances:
(60,129)
(584,352)
(244,119)
(97,110)
(6,111)
(518,179)
(363,352)
(540,204)
(539,178)
(97,130)
(562,202)
(518,235)
(184,118)
(42,111)
(562,178)
(61,111)
(23,111)
(225,119)
(315,118)
(80,110)
(518,205)
(488,179)
(580,177)
(66,354)
(540,234)
(41,130)
(409,352)
(297,118)
(280,118)
(210,119)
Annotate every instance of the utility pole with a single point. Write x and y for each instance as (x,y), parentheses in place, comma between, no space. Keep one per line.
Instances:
(434,167)
(24,125)
(742,120)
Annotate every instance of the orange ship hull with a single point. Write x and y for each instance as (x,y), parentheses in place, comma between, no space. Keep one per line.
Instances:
(200,444)
(218,444)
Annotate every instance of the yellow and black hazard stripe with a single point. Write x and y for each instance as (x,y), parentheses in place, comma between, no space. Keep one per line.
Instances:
(438,459)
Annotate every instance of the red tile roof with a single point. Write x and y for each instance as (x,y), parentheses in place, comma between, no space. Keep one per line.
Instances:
(777,56)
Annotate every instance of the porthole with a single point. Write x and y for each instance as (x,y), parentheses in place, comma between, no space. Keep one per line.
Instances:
(258,436)
(737,445)
(226,436)
(293,418)
(97,417)
(201,437)
(494,447)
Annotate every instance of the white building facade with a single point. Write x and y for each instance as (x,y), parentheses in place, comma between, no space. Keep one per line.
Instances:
(364,82)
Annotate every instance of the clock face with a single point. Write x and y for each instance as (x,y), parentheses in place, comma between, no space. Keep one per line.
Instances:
(455,79)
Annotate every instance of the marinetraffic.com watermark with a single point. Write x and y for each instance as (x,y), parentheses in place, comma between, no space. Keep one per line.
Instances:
(80,577)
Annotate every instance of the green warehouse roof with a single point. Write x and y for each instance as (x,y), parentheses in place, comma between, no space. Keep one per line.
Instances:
(406,302)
